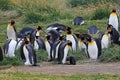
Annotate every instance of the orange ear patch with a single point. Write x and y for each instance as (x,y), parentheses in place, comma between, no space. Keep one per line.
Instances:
(92,42)
(10,26)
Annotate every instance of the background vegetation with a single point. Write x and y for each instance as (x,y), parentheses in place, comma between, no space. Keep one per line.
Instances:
(28,13)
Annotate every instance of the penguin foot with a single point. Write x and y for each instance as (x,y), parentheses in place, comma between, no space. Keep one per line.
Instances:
(49,60)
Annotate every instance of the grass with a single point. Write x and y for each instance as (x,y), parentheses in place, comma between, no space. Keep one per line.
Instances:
(44,12)
(110,54)
(28,76)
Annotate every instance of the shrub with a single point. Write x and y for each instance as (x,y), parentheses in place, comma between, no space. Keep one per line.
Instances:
(100,13)
(5,5)
(79,55)
(32,17)
(110,54)
(12,61)
(41,55)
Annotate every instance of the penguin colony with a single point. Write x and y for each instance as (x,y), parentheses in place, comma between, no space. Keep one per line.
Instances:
(57,45)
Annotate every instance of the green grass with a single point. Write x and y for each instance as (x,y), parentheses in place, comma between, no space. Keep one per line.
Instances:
(33,13)
(28,76)
(110,54)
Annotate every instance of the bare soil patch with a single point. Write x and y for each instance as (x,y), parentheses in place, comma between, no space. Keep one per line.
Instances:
(55,69)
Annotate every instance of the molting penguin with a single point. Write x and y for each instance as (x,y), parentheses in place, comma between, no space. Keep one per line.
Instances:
(9,48)
(39,43)
(63,51)
(1,54)
(29,54)
(93,48)
(72,38)
(11,31)
(113,19)
(48,46)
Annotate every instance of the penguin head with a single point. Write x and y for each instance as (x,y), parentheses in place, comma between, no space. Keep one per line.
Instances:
(109,26)
(36,37)
(49,37)
(69,43)
(80,36)
(26,40)
(39,28)
(68,30)
(62,37)
(12,22)
(89,38)
(114,11)
(77,35)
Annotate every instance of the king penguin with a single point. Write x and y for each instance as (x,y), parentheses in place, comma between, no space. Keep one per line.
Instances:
(113,19)
(72,38)
(56,45)
(11,30)
(63,51)
(114,34)
(81,44)
(1,54)
(93,48)
(9,48)
(34,33)
(29,54)
(105,39)
(48,46)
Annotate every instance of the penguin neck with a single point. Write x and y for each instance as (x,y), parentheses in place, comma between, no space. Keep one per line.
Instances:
(10,25)
(80,41)
(113,13)
(91,42)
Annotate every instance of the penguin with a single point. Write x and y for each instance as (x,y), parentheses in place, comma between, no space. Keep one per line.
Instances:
(34,33)
(81,44)
(55,34)
(48,46)
(113,19)
(78,21)
(25,31)
(93,30)
(39,43)
(19,42)
(11,30)
(26,38)
(93,48)
(114,34)
(105,39)
(63,51)
(29,54)
(9,48)
(72,38)
(56,45)
(1,54)
(56,26)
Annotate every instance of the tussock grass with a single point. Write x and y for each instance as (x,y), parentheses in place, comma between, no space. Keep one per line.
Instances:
(6,5)
(110,54)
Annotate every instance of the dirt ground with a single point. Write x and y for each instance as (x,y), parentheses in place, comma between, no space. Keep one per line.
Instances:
(55,69)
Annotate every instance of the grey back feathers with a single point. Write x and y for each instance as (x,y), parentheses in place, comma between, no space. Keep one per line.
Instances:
(78,20)
(93,30)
